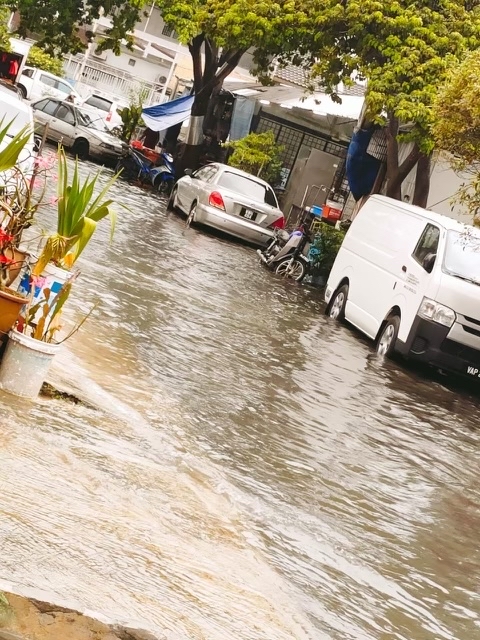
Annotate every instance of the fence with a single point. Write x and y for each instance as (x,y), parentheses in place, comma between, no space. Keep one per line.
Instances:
(109,80)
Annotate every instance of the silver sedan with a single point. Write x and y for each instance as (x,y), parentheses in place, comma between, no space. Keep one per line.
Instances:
(76,129)
(229,200)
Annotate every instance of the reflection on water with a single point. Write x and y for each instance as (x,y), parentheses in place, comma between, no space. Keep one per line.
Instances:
(253,471)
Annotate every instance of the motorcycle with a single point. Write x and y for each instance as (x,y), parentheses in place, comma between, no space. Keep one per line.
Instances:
(288,254)
(135,165)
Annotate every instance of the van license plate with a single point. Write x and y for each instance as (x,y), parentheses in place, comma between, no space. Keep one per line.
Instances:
(473,371)
(248,214)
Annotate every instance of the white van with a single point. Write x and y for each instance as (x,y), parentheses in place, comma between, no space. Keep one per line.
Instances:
(410,279)
(36,84)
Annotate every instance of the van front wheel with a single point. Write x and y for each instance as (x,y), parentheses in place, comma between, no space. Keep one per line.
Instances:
(336,309)
(388,337)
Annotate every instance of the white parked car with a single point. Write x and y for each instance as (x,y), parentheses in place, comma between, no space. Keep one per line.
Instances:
(13,109)
(229,200)
(74,128)
(35,84)
(106,108)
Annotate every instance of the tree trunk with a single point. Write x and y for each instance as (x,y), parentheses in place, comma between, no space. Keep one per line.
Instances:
(396,173)
(207,80)
(422,180)
(393,188)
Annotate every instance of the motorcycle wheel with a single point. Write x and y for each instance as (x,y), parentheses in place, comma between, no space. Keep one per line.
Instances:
(295,270)
(129,170)
(162,186)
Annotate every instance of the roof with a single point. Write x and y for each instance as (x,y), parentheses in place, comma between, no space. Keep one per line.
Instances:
(441,220)
(300,76)
(295,97)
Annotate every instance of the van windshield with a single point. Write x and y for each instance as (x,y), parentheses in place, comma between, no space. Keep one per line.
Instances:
(462,256)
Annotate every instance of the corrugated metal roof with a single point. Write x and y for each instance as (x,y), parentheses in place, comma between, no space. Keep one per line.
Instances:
(300,77)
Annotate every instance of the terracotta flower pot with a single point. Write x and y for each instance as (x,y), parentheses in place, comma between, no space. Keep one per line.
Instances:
(11,303)
(18,258)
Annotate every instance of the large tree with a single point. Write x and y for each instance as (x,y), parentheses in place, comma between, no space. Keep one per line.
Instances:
(217,32)
(403,49)
(456,129)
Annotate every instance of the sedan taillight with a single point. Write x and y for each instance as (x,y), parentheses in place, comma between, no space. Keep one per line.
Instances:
(109,116)
(216,200)
(279,223)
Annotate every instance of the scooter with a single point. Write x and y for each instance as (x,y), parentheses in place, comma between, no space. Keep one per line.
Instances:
(163,177)
(279,239)
(136,166)
(290,260)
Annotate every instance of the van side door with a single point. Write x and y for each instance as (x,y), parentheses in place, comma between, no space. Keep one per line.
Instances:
(418,274)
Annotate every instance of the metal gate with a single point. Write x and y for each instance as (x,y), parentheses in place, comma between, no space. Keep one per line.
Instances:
(292,138)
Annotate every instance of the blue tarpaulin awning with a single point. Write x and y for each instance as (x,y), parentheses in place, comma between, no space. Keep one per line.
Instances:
(162,116)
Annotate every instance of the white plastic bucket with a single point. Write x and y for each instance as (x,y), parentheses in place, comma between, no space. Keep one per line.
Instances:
(25,364)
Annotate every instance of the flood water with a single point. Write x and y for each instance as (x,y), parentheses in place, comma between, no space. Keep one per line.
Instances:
(247,469)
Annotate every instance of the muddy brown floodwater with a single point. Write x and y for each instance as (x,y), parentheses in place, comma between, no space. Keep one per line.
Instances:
(246,469)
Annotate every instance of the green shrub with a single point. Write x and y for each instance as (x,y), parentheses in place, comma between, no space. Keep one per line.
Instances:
(259,154)
(41,60)
(327,242)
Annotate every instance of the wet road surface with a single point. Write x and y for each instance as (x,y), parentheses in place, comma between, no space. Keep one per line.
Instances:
(252,472)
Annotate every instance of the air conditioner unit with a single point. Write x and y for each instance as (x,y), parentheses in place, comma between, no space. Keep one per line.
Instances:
(161,79)
(99,55)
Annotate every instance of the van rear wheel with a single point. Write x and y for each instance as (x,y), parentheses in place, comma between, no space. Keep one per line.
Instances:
(336,308)
(388,337)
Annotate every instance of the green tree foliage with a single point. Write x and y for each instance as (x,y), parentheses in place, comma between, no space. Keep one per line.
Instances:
(217,33)
(259,154)
(456,111)
(327,243)
(456,128)
(4,33)
(42,60)
(403,49)
(132,115)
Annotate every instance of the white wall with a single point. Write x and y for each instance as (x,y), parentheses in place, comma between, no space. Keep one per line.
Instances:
(142,70)
(444,183)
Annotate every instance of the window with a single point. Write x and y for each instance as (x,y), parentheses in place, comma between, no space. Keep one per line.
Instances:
(50,107)
(40,105)
(65,114)
(132,62)
(426,249)
(249,187)
(99,103)
(204,173)
(64,87)
(50,82)
(28,73)
(168,31)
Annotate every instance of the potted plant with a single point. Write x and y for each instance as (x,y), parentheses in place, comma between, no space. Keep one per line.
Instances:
(79,211)
(16,212)
(33,343)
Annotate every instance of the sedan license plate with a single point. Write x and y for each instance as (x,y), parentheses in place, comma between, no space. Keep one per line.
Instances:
(248,214)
